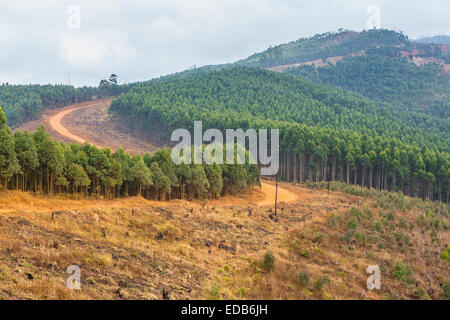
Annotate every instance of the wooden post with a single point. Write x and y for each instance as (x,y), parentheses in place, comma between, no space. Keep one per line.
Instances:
(276,193)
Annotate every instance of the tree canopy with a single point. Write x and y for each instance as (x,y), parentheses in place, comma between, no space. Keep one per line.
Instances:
(325,132)
(35,162)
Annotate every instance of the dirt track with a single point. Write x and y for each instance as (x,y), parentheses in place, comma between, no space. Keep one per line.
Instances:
(55,123)
(87,122)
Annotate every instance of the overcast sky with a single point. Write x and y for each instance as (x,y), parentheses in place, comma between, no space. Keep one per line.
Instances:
(42,41)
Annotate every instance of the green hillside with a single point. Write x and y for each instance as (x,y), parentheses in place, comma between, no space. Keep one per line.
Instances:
(440,39)
(388,79)
(22,103)
(320,46)
(327,128)
(326,45)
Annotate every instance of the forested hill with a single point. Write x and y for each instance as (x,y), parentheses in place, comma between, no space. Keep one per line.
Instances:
(440,39)
(325,45)
(323,129)
(23,103)
(320,46)
(388,79)
(233,96)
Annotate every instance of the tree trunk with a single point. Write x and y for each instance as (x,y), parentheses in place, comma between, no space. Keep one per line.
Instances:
(348,174)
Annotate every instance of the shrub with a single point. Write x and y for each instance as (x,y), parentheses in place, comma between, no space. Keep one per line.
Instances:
(445,254)
(401,271)
(352,223)
(445,294)
(268,261)
(390,216)
(378,225)
(320,282)
(402,222)
(422,294)
(368,213)
(355,212)
(348,237)
(360,237)
(305,253)
(402,238)
(318,237)
(303,279)
(214,293)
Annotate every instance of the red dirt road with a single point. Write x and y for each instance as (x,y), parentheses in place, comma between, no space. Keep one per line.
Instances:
(63,125)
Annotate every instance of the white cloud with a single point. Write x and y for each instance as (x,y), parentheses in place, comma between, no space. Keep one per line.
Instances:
(89,51)
(140,39)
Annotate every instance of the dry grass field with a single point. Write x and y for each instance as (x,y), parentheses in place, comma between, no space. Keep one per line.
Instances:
(318,247)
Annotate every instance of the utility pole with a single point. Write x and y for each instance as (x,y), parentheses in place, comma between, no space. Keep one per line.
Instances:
(276,193)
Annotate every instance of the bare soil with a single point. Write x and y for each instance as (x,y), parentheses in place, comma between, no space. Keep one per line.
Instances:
(88,122)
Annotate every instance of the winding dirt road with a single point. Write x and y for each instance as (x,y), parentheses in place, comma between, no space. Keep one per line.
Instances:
(268,189)
(55,123)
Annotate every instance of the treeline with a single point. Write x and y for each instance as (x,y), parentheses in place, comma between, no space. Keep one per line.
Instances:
(35,162)
(325,132)
(22,103)
(325,45)
(313,154)
(387,79)
(232,98)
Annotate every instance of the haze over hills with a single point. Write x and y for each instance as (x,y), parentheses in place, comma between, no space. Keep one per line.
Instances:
(415,85)
(335,44)
(363,114)
(418,82)
(377,93)
(383,65)
(439,39)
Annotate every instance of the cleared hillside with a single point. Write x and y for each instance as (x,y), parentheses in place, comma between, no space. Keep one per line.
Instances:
(319,248)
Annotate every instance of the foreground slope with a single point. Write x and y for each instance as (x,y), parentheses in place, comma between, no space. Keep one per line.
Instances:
(319,248)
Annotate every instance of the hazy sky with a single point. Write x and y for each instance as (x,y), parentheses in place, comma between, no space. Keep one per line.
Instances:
(42,41)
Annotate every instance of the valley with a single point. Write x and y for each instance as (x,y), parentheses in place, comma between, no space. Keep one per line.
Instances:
(87,179)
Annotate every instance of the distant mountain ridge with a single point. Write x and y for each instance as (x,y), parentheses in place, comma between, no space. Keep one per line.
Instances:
(439,39)
(335,46)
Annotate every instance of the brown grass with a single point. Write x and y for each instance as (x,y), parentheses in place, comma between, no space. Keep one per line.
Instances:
(210,249)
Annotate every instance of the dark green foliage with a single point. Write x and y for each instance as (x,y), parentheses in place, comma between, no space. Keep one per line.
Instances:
(390,80)
(303,279)
(325,133)
(320,282)
(445,254)
(22,103)
(352,223)
(268,261)
(401,271)
(325,45)
(35,162)
(445,294)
